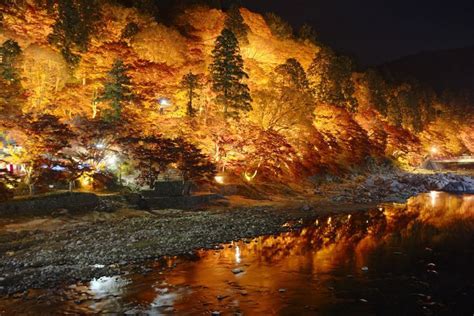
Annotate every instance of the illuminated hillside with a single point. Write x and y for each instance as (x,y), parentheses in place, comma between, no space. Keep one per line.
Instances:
(310,111)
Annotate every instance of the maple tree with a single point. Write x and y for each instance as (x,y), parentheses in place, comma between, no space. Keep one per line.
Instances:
(44,139)
(99,67)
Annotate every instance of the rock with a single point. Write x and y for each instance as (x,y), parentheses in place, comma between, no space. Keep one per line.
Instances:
(458,187)
(306,208)
(281,290)
(396,186)
(61,212)
(215,313)
(365,269)
(237,270)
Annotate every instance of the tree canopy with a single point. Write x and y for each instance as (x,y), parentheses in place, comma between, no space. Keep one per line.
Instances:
(227,72)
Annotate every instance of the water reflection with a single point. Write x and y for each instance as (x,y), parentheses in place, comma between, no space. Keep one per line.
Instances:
(396,259)
(107,286)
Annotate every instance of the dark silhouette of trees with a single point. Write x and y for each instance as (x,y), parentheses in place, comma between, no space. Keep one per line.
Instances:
(12,92)
(191,82)
(294,74)
(330,76)
(45,139)
(152,155)
(308,33)
(235,22)
(74,26)
(279,27)
(193,164)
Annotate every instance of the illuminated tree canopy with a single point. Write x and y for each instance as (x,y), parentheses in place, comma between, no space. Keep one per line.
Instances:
(245,94)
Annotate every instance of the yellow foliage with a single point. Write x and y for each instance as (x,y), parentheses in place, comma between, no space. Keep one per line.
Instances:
(45,74)
(441,135)
(161,44)
(30,25)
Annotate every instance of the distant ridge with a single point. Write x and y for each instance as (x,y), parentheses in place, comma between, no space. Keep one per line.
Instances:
(443,70)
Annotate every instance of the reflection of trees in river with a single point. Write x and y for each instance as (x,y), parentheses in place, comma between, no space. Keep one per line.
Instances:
(419,258)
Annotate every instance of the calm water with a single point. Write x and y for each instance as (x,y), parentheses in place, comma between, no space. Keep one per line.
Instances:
(394,260)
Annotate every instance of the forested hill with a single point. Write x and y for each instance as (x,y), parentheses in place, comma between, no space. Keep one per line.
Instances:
(443,70)
(247,89)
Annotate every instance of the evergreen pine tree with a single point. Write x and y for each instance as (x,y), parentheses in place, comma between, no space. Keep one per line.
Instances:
(74,25)
(235,22)
(227,75)
(116,91)
(12,93)
(89,15)
(190,83)
(9,52)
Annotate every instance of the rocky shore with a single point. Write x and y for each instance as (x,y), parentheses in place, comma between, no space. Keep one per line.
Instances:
(398,186)
(80,252)
(81,247)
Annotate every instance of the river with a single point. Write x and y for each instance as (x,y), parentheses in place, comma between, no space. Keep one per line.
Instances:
(416,258)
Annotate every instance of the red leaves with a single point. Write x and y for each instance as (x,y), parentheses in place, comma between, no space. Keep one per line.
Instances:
(152,155)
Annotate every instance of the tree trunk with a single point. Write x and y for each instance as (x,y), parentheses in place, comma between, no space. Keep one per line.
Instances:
(29,172)
(190,103)
(225,103)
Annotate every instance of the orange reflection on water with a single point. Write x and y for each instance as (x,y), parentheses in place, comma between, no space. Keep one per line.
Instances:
(326,267)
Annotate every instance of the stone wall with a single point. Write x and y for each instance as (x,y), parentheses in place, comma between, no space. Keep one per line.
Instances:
(72,201)
(182,202)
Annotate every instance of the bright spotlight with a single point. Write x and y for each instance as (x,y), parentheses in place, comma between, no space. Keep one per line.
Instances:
(219,179)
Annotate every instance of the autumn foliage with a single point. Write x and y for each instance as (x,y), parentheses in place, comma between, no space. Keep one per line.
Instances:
(245,95)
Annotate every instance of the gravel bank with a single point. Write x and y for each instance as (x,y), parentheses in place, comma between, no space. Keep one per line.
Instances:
(83,248)
(79,252)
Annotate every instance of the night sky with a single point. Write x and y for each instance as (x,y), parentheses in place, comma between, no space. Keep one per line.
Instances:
(374,31)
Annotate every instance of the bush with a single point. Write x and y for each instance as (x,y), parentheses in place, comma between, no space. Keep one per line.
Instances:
(5,192)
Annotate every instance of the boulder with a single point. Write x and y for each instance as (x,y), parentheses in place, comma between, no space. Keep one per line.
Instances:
(458,187)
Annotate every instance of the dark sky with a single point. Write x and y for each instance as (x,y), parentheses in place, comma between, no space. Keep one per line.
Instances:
(375,31)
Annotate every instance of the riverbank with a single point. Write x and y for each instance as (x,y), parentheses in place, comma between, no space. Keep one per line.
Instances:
(65,248)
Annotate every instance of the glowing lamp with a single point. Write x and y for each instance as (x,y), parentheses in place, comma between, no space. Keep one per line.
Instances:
(164,103)
(219,179)
(111,161)
(250,177)
(434,150)
(86,181)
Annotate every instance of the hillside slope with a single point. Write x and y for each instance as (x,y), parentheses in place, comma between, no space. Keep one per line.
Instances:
(443,70)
